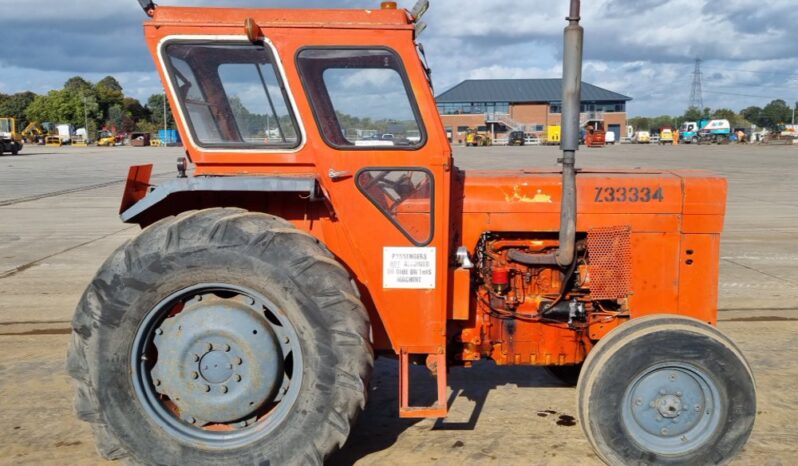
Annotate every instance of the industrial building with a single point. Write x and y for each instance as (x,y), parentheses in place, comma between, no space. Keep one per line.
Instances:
(499,106)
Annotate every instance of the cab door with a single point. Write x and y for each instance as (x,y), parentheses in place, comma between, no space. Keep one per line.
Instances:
(384,164)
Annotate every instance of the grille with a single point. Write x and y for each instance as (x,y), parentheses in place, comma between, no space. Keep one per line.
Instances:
(610,262)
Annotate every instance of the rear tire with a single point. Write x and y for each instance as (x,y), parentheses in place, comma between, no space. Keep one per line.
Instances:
(666,390)
(266,258)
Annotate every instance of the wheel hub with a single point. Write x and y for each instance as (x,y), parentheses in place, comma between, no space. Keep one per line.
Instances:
(215,367)
(672,408)
(219,360)
(669,406)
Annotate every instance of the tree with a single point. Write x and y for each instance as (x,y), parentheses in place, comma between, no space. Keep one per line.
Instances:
(116,117)
(134,109)
(776,114)
(109,94)
(15,106)
(640,123)
(752,114)
(155,107)
(78,85)
(64,106)
(692,114)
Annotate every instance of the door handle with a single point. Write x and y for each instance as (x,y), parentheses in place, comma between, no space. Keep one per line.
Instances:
(337,175)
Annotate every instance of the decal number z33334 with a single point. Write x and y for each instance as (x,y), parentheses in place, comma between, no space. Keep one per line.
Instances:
(629,194)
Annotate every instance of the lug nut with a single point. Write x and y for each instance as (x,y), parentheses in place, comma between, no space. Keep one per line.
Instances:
(243,424)
(638,402)
(697,408)
(191,420)
(226,347)
(286,340)
(196,358)
(199,298)
(238,378)
(194,375)
(251,301)
(158,331)
(157,382)
(238,361)
(664,431)
(224,388)
(207,388)
(209,347)
(284,390)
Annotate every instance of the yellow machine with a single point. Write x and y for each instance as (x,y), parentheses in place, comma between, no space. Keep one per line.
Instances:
(33,133)
(53,141)
(553,134)
(106,139)
(475,139)
(10,140)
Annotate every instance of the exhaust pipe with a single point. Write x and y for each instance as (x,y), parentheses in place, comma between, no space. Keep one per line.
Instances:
(571,108)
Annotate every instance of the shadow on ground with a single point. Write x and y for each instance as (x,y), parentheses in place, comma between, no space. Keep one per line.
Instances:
(379,425)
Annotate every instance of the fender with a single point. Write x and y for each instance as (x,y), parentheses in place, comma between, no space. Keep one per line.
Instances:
(142,201)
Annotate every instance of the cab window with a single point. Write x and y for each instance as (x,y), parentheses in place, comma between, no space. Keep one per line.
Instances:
(361,98)
(232,96)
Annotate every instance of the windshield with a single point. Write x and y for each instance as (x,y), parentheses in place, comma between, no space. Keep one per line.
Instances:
(5,125)
(232,96)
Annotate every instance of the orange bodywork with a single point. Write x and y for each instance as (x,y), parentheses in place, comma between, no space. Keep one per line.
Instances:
(674,217)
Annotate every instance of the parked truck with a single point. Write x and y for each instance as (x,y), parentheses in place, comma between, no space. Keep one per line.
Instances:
(241,325)
(705,131)
(10,139)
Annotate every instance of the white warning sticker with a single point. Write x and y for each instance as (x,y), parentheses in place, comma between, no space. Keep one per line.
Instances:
(408,268)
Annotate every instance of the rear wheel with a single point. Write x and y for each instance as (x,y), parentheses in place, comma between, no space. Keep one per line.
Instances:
(666,390)
(220,337)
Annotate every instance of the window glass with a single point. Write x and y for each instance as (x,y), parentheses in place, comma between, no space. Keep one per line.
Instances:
(405,196)
(232,96)
(360,98)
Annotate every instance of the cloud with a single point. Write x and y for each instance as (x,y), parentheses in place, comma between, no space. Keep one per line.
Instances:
(641,48)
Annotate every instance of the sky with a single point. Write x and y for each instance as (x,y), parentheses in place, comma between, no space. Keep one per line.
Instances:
(641,48)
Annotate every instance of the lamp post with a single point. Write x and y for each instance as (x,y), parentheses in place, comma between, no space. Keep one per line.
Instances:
(86,117)
(165,127)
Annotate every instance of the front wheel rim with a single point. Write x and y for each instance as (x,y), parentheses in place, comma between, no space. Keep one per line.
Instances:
(672,409)
(217,365)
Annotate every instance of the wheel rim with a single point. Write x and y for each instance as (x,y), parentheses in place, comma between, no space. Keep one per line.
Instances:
(672,408)
(217,365)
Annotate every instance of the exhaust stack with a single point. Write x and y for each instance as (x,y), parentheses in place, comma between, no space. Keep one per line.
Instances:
(571,108)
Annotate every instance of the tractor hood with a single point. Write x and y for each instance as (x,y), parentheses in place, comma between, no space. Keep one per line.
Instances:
(617,196)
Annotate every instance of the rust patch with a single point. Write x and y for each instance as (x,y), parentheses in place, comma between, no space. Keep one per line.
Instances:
(519,196)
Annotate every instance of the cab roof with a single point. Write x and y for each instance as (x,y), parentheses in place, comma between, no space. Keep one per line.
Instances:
(283,18)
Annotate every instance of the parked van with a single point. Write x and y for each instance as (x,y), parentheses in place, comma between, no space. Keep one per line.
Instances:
(642,137)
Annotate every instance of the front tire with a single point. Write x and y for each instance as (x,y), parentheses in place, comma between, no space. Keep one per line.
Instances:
(183,327)
(666,390)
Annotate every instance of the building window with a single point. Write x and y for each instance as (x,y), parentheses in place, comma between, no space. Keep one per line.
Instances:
(555,108)
(462,129)
(473,108)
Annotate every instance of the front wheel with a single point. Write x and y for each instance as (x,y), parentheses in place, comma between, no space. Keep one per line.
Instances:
(220,337)
(666,390)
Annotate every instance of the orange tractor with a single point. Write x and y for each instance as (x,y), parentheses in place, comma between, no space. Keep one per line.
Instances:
(325,224)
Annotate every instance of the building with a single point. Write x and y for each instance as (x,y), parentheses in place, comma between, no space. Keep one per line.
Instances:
(499,106)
